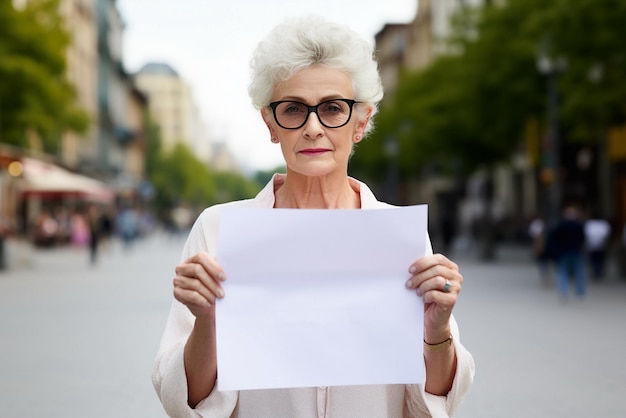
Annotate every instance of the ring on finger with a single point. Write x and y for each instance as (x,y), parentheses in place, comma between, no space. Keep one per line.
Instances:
(446,288)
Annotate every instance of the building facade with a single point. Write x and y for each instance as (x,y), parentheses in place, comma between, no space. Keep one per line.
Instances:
(112,149)
(412,47)
(173,109)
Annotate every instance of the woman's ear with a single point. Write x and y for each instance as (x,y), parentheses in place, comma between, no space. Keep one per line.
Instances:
(268,120)
(361,125)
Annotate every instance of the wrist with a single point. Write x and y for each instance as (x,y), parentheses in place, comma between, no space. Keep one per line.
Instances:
(438,346)
(438,335)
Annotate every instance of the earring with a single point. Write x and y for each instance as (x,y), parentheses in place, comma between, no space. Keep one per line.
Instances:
(274,140)
(357,138)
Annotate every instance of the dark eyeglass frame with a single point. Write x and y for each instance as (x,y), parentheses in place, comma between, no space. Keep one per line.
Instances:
(313,109)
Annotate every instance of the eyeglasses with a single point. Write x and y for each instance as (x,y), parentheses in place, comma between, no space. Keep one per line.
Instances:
(334,113)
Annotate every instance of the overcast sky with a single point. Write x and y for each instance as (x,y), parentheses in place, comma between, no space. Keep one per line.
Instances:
(209,43)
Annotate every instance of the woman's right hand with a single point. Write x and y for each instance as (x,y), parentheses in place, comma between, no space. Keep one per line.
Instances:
(198,283)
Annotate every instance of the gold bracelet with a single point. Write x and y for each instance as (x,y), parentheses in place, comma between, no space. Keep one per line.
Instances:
(433,348)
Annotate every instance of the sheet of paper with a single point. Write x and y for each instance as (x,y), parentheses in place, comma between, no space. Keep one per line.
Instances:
(318,298)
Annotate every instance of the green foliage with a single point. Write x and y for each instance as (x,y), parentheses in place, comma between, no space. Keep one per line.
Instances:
(179,177)
(469,108)
(34,93)
(264,176)
(153,145)
(233,186)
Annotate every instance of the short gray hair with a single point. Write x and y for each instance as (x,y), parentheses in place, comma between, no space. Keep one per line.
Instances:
(301,42)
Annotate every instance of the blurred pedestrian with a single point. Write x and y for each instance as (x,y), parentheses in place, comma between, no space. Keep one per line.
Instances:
(4,233)
(128,225)
(106,228)
(95,229)
(597,233)
(541,247)
(569,239)
(64,228)
(79,230)
(46,230)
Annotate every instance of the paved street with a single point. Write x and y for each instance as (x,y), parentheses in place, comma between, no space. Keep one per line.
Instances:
(78,341)
(536,356)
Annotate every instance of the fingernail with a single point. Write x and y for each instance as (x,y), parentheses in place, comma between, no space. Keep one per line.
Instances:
(221,276)
(412,269)
(419,291)
(409,283)
(220,293)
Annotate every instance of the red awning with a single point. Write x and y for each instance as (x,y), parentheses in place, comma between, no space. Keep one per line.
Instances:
(49,180)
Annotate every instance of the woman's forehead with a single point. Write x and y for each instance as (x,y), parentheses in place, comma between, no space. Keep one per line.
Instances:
(315,83)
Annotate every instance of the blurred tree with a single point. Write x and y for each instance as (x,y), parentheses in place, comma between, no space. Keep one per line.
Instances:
(262,177)
(153,145)
(35,96)
(180,177)
(234,186)
(468,109)
(588,35)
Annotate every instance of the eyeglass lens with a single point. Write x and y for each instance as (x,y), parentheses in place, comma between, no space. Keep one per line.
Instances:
(332,113)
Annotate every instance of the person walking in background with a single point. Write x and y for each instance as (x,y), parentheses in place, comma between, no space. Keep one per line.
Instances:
(569,240)
(79,230)
(538,233)
(597,233)
(128,225)
(107,228)
(95,229)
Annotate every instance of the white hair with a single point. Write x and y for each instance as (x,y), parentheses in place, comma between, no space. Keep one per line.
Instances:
(301,42)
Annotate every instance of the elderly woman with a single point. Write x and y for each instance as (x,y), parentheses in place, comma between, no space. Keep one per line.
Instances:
(317,86)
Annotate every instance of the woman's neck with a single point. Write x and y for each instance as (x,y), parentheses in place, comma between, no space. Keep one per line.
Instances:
(328,192)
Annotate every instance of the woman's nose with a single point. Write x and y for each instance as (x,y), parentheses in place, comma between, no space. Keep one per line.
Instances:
(313,128)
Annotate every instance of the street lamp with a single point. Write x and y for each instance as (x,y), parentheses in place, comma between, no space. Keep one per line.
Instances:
(551,67)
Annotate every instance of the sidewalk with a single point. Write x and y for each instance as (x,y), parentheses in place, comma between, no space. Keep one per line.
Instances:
(535,355)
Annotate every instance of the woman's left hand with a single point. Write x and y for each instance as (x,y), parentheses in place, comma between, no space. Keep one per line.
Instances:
(438,280)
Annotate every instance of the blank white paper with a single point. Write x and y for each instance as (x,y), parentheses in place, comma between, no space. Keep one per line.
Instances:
(318,298)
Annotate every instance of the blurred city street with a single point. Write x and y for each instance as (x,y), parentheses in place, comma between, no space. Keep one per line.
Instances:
(535,355)
(79,341)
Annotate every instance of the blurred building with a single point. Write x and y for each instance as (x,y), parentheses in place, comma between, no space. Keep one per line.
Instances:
(173,109)
(82,72)
(594,175)
(111,152)
(223,159)
(414,46)
(120,105)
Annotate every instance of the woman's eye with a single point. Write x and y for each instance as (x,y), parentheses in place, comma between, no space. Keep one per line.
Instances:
(294,108)
(333,108)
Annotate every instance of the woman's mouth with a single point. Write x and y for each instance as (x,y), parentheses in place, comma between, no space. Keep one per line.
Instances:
(314,151)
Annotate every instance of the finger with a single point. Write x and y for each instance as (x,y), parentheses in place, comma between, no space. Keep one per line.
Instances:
(432,272)
(195,277)
(445,301)
(429,261)
(198,286)
(209,263)
(196,303)
(439,284)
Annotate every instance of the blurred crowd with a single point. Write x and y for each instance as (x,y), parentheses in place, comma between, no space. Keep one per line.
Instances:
(88,225)
(59,227)
(577,248)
